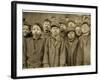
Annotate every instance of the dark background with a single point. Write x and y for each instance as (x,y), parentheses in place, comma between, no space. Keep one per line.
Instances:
(34,17)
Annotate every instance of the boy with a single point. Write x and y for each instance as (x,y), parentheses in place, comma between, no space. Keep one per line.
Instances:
(78,31)
(54,54)
(63,29)
(26,32)
(46,28)
(83,56)
(35,47)
(71,46)
(71,24)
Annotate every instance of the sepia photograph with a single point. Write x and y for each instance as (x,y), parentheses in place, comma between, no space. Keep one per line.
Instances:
(56,40)
(53,40)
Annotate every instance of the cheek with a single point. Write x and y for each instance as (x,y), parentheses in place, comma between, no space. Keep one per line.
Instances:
(39,32)
(44,24)
(83,30)
(49,26)
(33,31)
(52,31)
(65,27)
(77,32)
(58,31)
(73,35)
(27,31)
(69,35)
(62,27)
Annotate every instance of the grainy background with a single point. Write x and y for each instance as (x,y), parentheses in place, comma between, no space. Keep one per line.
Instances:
(33,17)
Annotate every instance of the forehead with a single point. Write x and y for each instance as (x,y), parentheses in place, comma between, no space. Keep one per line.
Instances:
(46,22)
(54,27)
(84,26)
(77,28)
(35,26)
(25,26)
(62,24)
(71,23)
(71,32)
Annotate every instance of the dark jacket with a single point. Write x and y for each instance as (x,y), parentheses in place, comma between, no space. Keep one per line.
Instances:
(54,54)
(71,48)
(35,51)
(24,53)
(83,56)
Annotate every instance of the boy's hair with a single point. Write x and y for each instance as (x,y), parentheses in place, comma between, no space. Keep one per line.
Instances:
(37,25)
(54,26)
(71,31)
(62,23)
(71,21)
(47,20)
(28,26)
(85,23)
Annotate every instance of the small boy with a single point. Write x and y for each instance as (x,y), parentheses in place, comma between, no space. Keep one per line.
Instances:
(83,56)
(71,24)
(26,31)
(46,28)
(35,47)
(54,54)
(63,29)
(71,46)
(78,31)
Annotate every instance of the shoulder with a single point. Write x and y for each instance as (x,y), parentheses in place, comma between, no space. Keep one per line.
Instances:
(29,39)
(81,37)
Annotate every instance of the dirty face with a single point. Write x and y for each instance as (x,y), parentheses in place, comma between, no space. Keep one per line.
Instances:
(85,28)
(36,30)
(25,30)
(71,24)
(62,27)
(71,35)
(55,31)
(78,31)
(46,26)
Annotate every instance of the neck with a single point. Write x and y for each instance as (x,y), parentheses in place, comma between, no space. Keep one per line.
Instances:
(71,40)
(86,34)
(36,36)
(56,37)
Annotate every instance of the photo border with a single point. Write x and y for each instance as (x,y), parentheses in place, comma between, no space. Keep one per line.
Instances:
(14,38)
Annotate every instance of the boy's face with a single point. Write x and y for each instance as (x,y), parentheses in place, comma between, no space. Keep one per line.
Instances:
(85,28)
(55,31)
(71,35)
(62,27)
(78,31)
(36,30)
(25,30)
(71,24)
(46,26)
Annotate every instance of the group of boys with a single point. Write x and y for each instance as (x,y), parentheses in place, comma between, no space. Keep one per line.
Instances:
(51,45)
